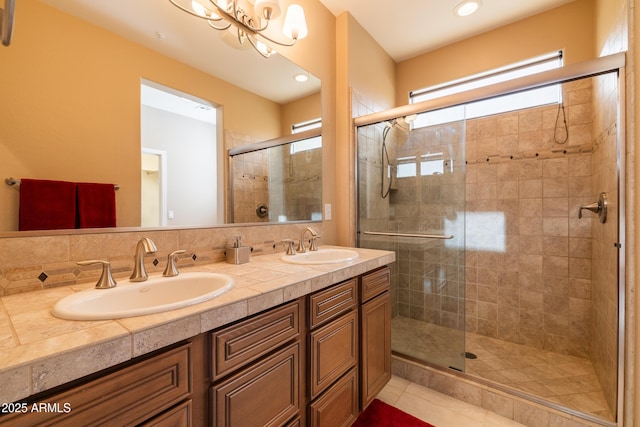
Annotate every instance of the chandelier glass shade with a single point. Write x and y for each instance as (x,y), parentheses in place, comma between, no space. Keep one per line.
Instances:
(248,21)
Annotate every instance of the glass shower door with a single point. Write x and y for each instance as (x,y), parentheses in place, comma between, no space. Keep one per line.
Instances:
(411,200)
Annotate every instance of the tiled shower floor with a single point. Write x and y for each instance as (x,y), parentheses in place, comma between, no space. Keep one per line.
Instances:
(567,380)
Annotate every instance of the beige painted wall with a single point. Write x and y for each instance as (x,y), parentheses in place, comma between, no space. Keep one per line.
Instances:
(606,15)
(317,54)
(362,66)
(300,110)
(372,71)
(71,91)
(568,27)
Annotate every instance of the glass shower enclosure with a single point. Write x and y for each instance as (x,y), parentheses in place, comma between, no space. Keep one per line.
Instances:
(506,268)
(411,195)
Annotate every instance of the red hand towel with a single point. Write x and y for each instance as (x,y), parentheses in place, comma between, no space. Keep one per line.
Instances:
(96,205)
(47,205)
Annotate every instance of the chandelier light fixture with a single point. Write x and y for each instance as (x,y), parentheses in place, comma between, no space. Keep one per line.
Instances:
(248,21)
(6,21)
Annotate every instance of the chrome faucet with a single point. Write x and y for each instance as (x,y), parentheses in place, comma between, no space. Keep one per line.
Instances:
(144,246)
(314,235)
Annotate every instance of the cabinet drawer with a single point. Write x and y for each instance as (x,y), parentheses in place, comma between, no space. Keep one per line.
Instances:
(374,283)
(242,343)
(338,407)
(266,394)
(329,303)
(180,416)
(333,351)
(125,397)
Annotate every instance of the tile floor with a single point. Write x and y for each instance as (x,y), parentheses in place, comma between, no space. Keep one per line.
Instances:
(438,409)
(567,380)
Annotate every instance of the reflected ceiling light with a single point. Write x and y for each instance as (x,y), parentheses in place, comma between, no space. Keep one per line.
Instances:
(248,21)
(468,7)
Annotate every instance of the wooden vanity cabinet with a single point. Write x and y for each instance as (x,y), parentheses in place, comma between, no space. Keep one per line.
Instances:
(256,369)
(375,333)
(153,391)
(333,356)
(328,352)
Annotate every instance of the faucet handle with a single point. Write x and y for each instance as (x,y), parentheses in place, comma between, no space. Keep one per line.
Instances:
(171,270)
(106,280)
(291,250)
(313,246)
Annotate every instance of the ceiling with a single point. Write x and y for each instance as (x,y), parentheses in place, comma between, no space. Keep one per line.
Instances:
(406,28)
(409,28)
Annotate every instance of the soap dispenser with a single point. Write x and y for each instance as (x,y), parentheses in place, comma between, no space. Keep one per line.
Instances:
(238,254)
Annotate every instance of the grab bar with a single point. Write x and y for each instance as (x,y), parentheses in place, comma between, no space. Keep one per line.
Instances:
(12,181)
(421,236)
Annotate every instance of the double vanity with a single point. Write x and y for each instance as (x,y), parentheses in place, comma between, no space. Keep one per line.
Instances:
(285,340)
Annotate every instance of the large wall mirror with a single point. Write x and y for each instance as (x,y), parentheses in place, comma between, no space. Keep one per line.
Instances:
(72,108)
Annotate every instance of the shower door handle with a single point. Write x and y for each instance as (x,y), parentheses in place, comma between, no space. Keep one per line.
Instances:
(599,207)
(422,236)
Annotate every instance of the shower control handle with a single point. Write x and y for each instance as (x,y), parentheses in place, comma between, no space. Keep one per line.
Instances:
(599,207)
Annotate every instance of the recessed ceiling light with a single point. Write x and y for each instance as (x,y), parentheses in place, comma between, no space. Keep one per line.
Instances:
(468,7)
(301,77)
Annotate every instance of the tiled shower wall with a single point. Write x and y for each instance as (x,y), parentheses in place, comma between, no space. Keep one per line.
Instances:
(534,286)
(290,185)
(431,271)
(428,278)
(250,186)
(250,180)
(295,183)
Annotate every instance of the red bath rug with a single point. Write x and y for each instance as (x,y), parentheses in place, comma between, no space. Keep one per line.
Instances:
(379,414)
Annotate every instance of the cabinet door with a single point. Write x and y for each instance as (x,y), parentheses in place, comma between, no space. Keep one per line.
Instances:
(338,406)
(333,351)
(264,394)
(375,348)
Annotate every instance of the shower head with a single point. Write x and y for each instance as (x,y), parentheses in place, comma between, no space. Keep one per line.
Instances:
(407,120)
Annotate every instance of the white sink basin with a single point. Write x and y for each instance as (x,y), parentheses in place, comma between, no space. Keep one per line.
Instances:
(155,295)
(322,256)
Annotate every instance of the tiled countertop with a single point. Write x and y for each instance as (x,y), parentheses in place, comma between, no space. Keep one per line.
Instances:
(39,351)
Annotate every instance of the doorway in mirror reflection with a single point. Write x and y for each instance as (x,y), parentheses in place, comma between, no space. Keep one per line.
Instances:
(179,159)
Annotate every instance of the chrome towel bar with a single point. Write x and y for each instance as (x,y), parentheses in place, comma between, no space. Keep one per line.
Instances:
(12,181)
